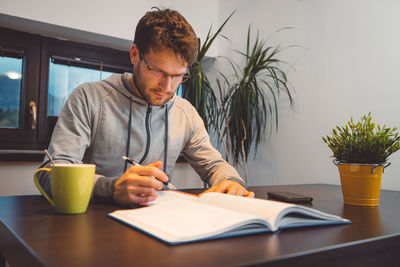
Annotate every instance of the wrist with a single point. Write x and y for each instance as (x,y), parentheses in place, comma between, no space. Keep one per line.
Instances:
(103,191)
(241,182)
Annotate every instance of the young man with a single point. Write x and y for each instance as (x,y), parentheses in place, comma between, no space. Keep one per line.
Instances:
(140,116)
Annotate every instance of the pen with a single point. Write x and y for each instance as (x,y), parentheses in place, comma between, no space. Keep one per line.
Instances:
(134,163)
(131,161)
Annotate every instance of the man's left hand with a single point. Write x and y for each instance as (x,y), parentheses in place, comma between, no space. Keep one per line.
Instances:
(232,188)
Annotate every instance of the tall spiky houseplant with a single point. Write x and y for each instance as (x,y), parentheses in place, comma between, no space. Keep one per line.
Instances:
(197,90)
(251,100)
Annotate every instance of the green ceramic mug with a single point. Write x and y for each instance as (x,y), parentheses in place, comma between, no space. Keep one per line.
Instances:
(71,186)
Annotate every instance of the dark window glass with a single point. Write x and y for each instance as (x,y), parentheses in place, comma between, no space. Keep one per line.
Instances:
(11,66)
(63,79)
(179,90)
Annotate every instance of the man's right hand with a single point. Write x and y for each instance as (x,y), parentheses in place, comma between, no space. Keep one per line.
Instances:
(139,184)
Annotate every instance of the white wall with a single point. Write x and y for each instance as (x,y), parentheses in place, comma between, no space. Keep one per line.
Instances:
(16,178)
(349,65)
(117,18)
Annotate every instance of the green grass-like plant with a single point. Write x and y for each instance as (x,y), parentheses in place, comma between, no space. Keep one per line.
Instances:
(249,98)
(198,90)
(363,142)
(246,101)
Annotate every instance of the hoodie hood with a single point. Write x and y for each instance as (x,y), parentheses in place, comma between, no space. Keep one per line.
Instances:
(121,84)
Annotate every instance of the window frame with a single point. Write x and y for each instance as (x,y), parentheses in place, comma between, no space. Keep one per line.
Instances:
(11,53)
(30,45)
(13,146)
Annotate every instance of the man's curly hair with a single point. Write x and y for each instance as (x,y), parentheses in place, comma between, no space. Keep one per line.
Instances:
(166,29)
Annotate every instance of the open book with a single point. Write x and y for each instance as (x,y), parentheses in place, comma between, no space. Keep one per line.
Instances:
(176,217)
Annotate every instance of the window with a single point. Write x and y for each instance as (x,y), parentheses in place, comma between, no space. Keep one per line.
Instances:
(19,87)
(64,77)
(10,88)
(179,91)
(37,74)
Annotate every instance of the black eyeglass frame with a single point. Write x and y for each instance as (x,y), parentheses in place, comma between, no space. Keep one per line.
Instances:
(184,76)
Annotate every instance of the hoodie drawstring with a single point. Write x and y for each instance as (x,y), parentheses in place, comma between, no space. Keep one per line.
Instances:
(129,132)
(166,140)
(126,85)
(165,137)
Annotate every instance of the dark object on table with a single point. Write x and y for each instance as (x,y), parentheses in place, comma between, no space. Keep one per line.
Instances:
(290,197)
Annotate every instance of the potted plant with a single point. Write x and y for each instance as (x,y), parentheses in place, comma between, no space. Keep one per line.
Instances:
(198,90)
(361,150)
(249,101)
(251,98)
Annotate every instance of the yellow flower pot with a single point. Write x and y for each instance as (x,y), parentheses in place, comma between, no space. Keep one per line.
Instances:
(361,183)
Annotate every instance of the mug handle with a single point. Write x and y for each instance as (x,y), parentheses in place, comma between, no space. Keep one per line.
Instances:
(39,187)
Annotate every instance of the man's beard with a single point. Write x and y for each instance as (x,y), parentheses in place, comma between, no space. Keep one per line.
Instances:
(140,86)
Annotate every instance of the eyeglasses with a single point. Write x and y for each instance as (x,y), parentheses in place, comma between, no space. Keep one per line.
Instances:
(159,74)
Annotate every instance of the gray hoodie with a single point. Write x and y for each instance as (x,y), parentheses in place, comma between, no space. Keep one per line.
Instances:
(102,121)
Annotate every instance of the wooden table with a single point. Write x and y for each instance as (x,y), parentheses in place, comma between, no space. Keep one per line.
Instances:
(32,234)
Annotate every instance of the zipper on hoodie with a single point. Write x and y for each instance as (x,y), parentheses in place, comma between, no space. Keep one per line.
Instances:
(147,122)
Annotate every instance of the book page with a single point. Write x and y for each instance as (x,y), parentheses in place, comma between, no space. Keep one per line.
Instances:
(279,214)
(267,209)
(167,195)
(299,215)
(180,220)
(176,217)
